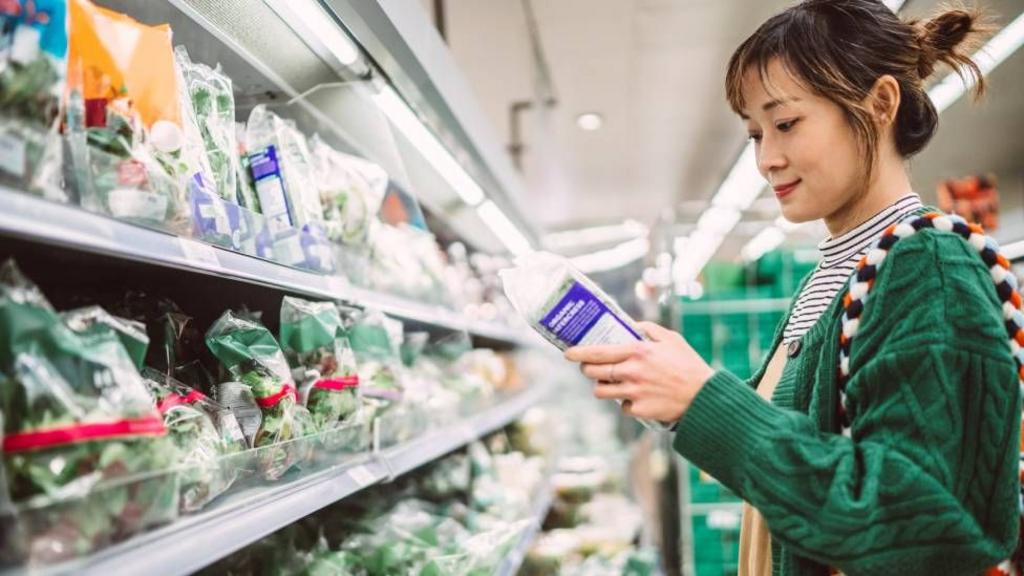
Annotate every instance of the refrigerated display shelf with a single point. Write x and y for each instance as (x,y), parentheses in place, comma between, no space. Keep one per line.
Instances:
(36,219)
(242,518)
(516,556)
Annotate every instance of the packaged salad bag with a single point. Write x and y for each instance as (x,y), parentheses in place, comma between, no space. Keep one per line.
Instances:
(84,447)
(33,54)
(252,356)
(565,307)
(205,434)
(124,120)
(351,192)
(212,100)
(317,346)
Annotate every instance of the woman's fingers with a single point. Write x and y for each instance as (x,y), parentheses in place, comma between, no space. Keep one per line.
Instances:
(655,332)
(618,391)
(600,354)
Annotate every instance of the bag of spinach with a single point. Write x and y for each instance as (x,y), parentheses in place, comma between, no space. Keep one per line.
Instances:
(251,354)
(79,421)
(315,343)
(189,416)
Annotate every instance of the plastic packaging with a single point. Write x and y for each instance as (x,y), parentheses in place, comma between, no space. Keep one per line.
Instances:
(566,307)
(282,170)
(252,356)
(33,53)
(351,192)
(212,99)
(314,339)
(188,415)
(78,419)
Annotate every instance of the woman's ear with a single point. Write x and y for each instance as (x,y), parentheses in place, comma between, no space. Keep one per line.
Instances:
(884,100)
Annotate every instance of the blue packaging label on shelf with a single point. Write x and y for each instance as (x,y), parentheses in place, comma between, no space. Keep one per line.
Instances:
(581,318)
(266,173)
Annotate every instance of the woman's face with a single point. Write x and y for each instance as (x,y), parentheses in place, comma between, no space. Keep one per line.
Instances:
(805,147)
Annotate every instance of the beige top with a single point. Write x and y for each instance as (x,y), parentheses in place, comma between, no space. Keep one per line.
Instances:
(755,541)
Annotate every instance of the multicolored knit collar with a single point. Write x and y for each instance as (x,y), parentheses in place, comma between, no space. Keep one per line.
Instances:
(864,279)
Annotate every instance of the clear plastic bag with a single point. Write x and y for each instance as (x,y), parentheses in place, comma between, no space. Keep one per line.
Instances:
(253,357)
(314,339)
(78,418)
(282,171)
(351,192)
(376,341)
(189,417)
(211,98)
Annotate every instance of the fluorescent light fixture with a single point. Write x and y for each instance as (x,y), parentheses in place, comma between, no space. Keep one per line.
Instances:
(590,121)
(999,48)
(693,253)
(503,228)
(1013,250)
(718,220)
(743,184)
(403,118)
(308,15)
(766,241)
(568,239)
(612,258)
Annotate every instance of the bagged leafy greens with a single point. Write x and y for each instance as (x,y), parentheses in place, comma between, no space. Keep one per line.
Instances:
(253,357)
(282,170)
(79,420)
(314,339)
(213,101)
(351,192)
(124,120)
(189,417)
(33,52)
(131,334)
(376,342)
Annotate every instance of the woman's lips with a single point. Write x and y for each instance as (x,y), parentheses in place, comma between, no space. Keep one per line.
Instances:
(783,190)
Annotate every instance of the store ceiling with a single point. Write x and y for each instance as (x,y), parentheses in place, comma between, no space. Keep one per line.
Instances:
(654,69)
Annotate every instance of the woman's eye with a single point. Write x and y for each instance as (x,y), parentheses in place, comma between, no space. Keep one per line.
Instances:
(787,126)
(754,136)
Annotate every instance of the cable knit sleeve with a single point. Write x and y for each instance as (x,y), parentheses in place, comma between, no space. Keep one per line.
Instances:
(927,481)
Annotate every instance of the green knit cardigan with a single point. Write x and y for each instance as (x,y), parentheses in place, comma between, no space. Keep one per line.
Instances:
(927,482)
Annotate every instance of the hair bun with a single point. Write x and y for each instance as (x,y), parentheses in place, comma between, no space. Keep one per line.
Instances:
(942,38)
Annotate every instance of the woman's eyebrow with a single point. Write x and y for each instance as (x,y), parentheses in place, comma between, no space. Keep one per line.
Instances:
(770,105)
(778,102)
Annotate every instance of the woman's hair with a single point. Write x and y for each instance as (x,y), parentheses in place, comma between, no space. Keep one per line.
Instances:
(839,48)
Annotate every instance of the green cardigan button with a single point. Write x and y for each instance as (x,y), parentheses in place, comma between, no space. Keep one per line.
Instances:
(793,349)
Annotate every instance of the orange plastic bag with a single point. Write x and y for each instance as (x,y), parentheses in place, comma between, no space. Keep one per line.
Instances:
(111,57)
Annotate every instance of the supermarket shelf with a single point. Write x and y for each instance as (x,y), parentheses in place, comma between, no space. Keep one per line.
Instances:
(404,458)
(239,519)
(515,557)
(33,218)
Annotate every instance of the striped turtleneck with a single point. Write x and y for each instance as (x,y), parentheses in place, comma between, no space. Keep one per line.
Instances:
(839,257)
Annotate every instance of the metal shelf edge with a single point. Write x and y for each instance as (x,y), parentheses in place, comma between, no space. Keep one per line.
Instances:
(52,223)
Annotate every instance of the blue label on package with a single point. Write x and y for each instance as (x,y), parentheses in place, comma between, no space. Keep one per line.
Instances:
(580,317)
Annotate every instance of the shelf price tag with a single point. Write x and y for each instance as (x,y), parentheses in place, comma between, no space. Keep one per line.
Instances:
(198,253)
(362,476)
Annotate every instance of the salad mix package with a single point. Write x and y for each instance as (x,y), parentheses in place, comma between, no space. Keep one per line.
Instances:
(78,420)
(351,192)
(204,433)
(315,341)
(253,357)
(33,54)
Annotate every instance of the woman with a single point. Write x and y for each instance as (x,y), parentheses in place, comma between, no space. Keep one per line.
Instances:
(902,458)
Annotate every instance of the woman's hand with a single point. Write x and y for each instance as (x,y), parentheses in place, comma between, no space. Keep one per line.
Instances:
(656,379)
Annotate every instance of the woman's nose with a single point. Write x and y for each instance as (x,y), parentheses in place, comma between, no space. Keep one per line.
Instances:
(769,158)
